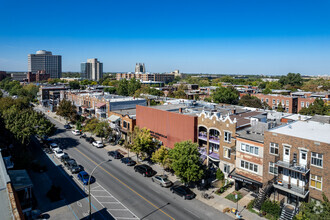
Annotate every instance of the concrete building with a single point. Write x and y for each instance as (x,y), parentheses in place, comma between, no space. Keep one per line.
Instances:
(140,68)
(92,70)
(18,76)
(146,77)
(45,61)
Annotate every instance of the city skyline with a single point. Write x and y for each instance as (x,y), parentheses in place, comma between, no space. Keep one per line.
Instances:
(255,37)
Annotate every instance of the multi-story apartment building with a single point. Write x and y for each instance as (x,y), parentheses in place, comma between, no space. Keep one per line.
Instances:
(44,60)
(39,76)
(296,161)
(144,77)
(125,120)
(92,70)
(289,103)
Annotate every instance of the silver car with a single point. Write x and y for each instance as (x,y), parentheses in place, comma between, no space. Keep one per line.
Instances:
(162,180)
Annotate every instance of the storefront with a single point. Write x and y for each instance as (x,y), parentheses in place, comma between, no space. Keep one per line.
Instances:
(242,181)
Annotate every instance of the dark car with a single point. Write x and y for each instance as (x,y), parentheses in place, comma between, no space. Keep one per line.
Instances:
(145,170)
(65,158)
(84,177)
(128,161)
(183,191)
(73,167)
(115,154)
(67,162)
(90,139)
(67,126)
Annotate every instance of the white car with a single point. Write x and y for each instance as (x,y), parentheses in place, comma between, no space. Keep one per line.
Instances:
(59,153)
(76,132)
(54,147)
(98,144)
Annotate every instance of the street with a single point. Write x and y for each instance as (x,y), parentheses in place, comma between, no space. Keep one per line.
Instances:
(124,193)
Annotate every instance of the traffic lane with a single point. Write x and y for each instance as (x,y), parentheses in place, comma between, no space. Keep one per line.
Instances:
(189,208)
(74,196)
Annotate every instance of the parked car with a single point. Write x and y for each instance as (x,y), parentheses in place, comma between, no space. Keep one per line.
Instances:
(65,158)
(59,153)
(67,126)
(84,177)
(67,162)
(76,132)
(162,180)
(115,154)
(128,161)
(98,144)
(183,191)
(54,147)
(73,167)
(90,139)
(145,170)
(48,150)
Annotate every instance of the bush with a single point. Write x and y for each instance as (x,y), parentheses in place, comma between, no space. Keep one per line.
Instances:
(219,175)
(272,208)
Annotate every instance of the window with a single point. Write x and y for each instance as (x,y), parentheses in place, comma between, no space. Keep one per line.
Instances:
(287,102)
(316,182)
(273,101)
(282,102)
(249,149)
(124,124)
(272,168)
(307,104)
(227,136)
(226,153)
(127,125)
(317,159)
(273,148)
(249,166)
(267,100)
(226,168)
(262,100)
(302,104)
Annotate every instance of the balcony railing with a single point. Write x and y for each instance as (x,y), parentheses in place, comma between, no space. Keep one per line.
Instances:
(300,191)
(214,139)
(293,165)
(202,136)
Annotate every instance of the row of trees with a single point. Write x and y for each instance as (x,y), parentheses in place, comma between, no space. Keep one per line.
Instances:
(14,87)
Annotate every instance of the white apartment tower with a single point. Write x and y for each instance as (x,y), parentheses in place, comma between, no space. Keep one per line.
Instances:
(44,60)
(92,70)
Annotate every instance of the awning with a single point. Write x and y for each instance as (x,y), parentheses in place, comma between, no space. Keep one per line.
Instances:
(100,105)
(114,118)
(243,179)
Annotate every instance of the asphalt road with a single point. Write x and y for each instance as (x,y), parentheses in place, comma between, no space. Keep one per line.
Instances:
(126,194)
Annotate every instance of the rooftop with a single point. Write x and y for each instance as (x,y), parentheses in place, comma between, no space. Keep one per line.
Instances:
(309,130)
(20,179)
(5,207)
(130,112)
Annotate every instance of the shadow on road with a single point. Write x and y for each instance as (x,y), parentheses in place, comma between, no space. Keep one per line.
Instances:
(144,217)
(103,212)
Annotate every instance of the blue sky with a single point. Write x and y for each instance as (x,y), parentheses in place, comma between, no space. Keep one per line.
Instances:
(219,36)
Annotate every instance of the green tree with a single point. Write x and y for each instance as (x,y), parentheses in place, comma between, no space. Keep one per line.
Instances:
(180,94)
(74,84)
(280,108)
(132,86)
(227,95)
(250,101)
(292,79)
(67,110)
(161,156)
(317,108)
(314,211)
(267,91)
(122,88)
(185,161)
(142,143)
(1,94)
(111,90)
(220,175)
(91,125)
(103,130)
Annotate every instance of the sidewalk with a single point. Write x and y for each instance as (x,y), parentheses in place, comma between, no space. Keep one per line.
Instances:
(219,202)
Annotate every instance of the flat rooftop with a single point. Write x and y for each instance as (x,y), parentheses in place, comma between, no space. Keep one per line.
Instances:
(129,112)
(309,130)
(5,206)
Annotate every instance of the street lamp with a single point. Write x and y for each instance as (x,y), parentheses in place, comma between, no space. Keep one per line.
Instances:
(89,187)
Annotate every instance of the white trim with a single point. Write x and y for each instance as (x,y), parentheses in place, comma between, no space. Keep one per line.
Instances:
(287,145)
(301,148)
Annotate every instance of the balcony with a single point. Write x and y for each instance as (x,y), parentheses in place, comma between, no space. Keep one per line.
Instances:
(214,139)
(300,191)
(202,136)
(292,165)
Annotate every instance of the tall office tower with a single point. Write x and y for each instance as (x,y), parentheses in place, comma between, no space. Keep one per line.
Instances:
(92,70)
(140,68)
(45,61)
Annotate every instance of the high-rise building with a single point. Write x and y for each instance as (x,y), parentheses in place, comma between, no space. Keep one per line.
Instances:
(92,70)
(140,68)
(45,61)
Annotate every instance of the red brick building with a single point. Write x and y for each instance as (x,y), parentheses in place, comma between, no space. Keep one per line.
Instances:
(39,76)
(289,103)
(167,123)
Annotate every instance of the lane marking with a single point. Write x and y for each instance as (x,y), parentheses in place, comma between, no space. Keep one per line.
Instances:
(158,208)
(191,213)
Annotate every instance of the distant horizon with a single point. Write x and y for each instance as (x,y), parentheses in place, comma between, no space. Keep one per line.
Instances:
(215,37)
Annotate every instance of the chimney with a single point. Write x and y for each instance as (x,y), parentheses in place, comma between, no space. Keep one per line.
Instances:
(180,110)
(233,111)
